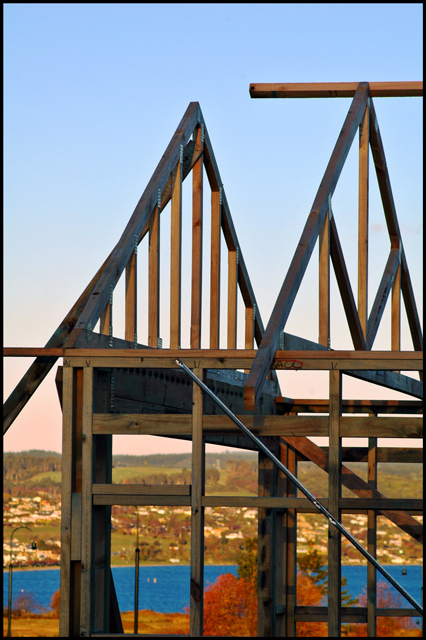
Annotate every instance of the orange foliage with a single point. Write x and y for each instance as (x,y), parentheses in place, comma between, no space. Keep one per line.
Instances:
(54,602)
(230,607)
(309,593)
(386,627)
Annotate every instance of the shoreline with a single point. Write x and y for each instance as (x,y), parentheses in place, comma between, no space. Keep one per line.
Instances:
(187,564)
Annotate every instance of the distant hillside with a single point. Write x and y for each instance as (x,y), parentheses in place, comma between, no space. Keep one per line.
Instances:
(28,471)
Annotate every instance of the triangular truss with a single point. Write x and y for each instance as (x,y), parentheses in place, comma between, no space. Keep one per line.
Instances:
(190,151)
(321,226)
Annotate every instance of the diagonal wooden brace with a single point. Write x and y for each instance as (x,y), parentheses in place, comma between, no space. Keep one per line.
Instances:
(353,482)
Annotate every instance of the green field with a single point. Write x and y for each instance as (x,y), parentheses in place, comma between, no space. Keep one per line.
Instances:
(119,474)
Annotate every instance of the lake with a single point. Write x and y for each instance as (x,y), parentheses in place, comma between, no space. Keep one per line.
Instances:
(165,588)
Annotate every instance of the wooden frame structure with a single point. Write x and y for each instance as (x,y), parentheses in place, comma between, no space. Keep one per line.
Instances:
(97,366)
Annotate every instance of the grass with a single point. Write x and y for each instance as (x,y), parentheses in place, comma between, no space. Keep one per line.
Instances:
(149,622)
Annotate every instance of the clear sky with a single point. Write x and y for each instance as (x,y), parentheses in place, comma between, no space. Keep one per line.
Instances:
(92,96)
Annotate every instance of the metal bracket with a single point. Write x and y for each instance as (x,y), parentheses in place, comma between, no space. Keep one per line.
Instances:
(111,398)
(89,331)
(159,198)
(159,343)
(111,290)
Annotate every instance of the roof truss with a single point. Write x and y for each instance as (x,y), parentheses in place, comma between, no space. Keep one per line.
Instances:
(321,226)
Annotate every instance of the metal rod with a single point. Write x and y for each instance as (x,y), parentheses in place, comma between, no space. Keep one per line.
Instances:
(302,488)
(136,618)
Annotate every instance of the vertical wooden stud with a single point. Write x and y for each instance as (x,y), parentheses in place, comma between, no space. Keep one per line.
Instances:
(87,604)
(364,136)
(215,270)
(249,330)
(154,279)
(197,247)
(324,283)
(197,512)
(232,298)
(65,615)
(106,320)
(291,536)
(175,257)
(280,550)
(131,299)
(69,615)
(266,546)
(334,494)
(371,541)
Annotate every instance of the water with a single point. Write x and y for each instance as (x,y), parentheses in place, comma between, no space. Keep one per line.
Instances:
(166,588)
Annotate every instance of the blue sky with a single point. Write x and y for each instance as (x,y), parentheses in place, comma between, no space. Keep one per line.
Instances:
(92,96)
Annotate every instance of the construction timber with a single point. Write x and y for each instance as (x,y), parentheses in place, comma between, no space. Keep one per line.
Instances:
(110,385)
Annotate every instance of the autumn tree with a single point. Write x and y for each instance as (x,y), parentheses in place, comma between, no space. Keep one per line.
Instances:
(230,607)
(25,603)
(387,627)
(54,602)
(309,593)
(311,564)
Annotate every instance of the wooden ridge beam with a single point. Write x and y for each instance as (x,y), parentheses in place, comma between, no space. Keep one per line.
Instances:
(334,89)
(291,284)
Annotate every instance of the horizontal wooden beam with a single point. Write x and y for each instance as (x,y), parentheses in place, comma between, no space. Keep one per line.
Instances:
(334,89)
(229,358)
(130,499)
(311,426)
(164,495)
(142,489)
(348,504)
(348,614)
(316,405)
(384,454)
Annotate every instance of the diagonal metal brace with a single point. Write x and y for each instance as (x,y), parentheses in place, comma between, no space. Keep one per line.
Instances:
(302,488)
